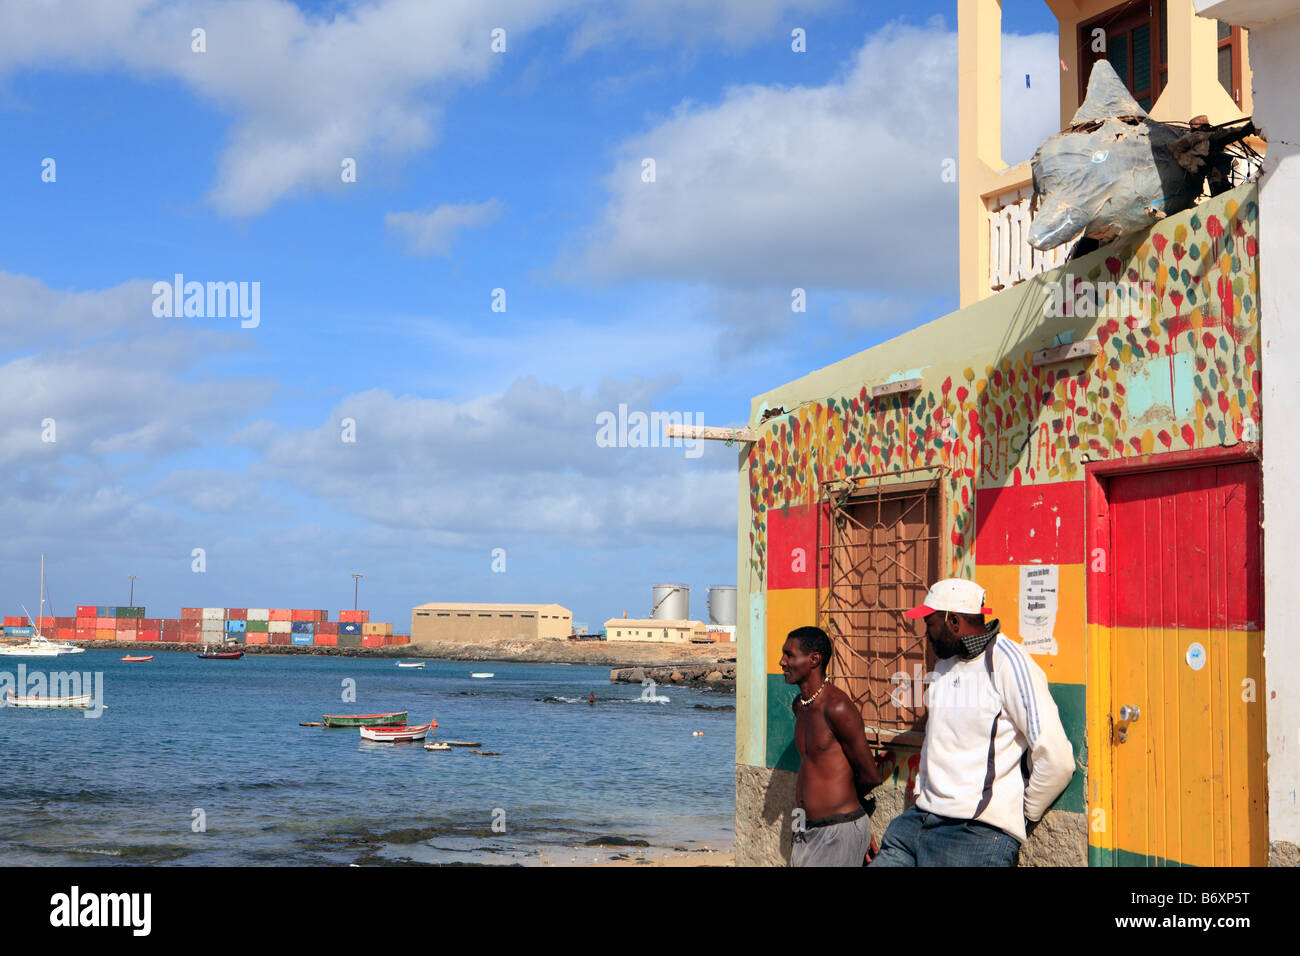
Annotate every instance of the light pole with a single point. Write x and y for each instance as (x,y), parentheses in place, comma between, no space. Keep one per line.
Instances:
(130,602)
(356,584)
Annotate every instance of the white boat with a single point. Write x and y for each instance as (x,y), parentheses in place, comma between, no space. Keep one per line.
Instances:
(80,700)
(435,745)
(481,675)
(397,734)
(418,665)
(37,645)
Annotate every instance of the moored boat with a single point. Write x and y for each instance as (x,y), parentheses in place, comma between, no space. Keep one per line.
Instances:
(208,654)
(137,660)
(79,700)
(397,734)
(38,645)
(365,720)
(482,674)
(435,745)
(418,665)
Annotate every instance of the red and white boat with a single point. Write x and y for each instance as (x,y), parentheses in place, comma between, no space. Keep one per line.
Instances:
(397,734)
(136,660)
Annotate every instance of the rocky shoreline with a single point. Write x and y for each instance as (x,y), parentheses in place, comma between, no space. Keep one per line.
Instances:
(719,674)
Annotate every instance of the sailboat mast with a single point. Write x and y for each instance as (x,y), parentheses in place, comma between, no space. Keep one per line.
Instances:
(41,613)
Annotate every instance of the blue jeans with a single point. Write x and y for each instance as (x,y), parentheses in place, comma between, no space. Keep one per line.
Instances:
(917,838)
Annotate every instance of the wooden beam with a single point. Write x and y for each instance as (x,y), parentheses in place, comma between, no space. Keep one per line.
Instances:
(711,433)
(1066,353)
(894,388)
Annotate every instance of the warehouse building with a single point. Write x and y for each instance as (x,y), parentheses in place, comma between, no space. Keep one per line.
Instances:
(656,631)
(484,623)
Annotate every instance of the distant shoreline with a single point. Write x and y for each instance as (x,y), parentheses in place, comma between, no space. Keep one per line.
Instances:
(622,654)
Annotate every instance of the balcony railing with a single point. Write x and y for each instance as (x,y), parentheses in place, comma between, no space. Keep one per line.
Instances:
(1011,258)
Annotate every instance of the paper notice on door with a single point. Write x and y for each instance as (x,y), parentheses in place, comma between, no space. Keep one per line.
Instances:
(1038,585)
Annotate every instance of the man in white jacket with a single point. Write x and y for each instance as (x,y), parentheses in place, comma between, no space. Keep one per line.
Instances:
(989,711)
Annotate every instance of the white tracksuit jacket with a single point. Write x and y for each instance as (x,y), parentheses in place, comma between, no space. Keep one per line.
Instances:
(983,715)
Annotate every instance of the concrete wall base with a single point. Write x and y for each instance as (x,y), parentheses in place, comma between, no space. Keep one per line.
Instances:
(765,800)
(1283,853)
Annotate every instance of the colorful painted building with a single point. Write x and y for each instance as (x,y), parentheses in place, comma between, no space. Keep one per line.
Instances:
(1099,473)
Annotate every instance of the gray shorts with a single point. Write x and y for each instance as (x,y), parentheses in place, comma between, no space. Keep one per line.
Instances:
(835,844)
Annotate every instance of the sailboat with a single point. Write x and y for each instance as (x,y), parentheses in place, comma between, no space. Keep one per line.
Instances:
(37,645)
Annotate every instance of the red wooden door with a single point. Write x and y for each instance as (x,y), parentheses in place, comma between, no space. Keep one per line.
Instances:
(1186,651)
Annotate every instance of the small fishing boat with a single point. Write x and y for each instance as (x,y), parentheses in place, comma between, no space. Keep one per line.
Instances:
(417,665)
(435,745)
(463,743)
(480,675)
(397,734)
(365,720)
(137,660)
(80,700)
(207,654)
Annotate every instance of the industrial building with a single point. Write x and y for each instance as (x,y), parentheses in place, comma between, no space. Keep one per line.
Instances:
(486,623)
(654,630)
(1103,478)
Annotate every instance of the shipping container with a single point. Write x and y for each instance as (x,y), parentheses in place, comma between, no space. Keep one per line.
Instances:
(15,621)
(131,612)
(65,633)
(304,627)
(256,637)
(280,627)
(127,623)
(377,628)
(372,640)
(150,623)
(126,635)
(280,614)
(278,637)
(87,610)
(105,623)
(13,631)
(234,627)
(85,633)
(193,625)
(102,611)
(236,614)
(326,640)
(260,627)
(349,629)
(354,617)
(191,613)
(301,638)
(148,636)
(327,627)
(258,614)
(105,634)
(190,637)
(400,639)
(65,622)
(349,640)
(302,614)
(214,614)
(237,637)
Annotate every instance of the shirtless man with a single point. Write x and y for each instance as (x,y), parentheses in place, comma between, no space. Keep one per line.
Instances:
(836,769)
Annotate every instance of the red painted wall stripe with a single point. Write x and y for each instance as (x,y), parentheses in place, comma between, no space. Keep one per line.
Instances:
(792,554)
(1019,524)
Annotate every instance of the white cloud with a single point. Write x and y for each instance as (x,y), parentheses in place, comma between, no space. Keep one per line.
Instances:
(306,90)
(838,185)
(433,232)
(524,461)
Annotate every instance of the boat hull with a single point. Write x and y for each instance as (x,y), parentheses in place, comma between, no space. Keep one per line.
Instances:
(365,720)
(396,735)
(81,701)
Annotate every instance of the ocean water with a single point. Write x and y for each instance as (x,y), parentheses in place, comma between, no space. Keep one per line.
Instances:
(185,742)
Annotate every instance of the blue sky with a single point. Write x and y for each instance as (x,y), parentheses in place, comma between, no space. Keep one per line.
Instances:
(476,170)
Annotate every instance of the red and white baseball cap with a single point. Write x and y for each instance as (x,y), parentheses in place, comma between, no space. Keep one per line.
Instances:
(952,594)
